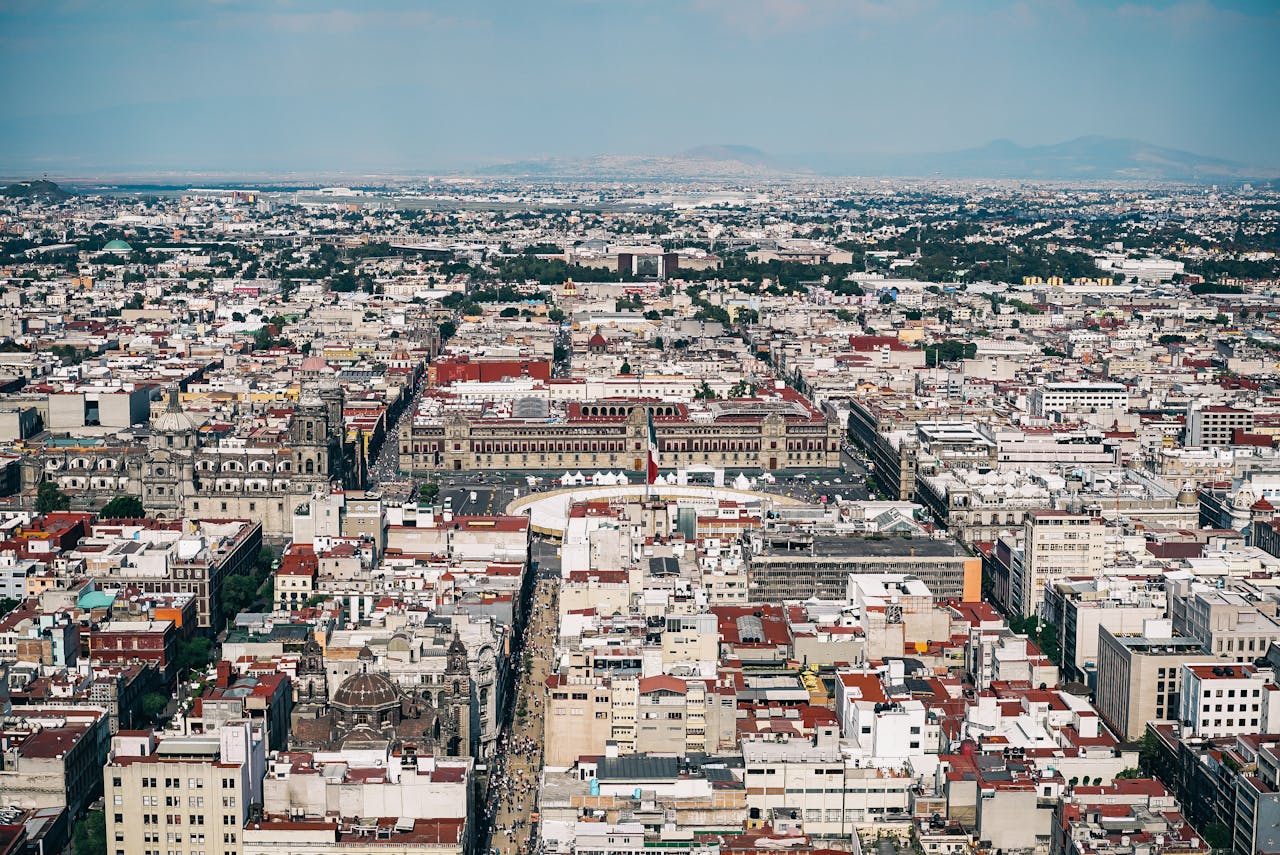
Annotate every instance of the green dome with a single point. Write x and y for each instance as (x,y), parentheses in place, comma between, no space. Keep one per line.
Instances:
(118,244)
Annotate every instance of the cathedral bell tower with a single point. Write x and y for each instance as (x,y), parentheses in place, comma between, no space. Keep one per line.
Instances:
(170,463)
(455,730)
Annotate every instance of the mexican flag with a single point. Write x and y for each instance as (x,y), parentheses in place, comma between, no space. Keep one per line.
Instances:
(651,472)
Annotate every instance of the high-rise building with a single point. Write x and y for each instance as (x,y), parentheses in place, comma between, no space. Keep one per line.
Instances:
(1140,676)
(183,794)
(1056,544)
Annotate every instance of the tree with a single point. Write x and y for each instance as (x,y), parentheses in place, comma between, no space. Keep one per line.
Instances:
(950,350)
(509,312)
(626,368)
(238,593)
(152,706)
(429,492)
(1172,338)
(447,330)
(90,836)
(123,508)
(194,654)
(556,315)
(7,605)
(50,498)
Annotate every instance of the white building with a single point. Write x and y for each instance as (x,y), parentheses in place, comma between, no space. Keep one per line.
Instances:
(1229,700)
(1083,397)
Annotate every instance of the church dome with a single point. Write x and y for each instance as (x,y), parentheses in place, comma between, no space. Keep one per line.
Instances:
(367,692)
(173,419)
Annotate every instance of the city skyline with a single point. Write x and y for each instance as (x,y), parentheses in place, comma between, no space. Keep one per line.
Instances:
(828,86)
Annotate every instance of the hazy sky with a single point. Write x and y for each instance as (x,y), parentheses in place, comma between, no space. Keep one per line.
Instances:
(318,85)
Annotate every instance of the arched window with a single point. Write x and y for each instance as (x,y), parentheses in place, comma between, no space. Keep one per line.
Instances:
(310,466)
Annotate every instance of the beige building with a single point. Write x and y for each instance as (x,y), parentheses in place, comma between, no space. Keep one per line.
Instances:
(1140,676)
(770,434)
(661,715)
(1056,544)
(579,719)
(183,794)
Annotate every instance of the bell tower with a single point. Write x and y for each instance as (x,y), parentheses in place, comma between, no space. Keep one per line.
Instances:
(309,439)
(455,730)
(170,464)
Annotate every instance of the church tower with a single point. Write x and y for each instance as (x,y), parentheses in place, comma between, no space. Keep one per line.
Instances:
(309,441)
(455,730)
(170,463)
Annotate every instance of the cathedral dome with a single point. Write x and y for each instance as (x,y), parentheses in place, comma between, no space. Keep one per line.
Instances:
(173,419)
(366,692)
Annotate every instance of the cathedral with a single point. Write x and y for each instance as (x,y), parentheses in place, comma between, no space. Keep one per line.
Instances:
(368,709)
(176,474)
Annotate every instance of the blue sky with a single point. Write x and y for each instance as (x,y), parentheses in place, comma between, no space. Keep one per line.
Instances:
(395,86)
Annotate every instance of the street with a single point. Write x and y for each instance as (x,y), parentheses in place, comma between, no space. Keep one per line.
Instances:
(385,465)
(512,799)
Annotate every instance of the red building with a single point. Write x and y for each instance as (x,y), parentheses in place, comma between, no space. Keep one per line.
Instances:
(151,642)
(463,368)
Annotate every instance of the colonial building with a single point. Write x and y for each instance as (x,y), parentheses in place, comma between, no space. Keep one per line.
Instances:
(777,433)
(178,474)
(368,710)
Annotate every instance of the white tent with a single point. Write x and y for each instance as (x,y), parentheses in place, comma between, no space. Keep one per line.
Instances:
(741,482)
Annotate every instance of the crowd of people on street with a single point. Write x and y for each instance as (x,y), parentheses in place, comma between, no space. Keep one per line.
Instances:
(513,779)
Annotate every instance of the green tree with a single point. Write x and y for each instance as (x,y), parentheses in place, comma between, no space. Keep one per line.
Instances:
(626,368)
(238,593)
(152,706)
(950,350)
(194,654)
(7,605)
(556,315)
(429,492)
(50,498)
(90,836)
(123,507)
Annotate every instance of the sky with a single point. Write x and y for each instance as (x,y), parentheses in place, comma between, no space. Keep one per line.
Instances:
(396,86)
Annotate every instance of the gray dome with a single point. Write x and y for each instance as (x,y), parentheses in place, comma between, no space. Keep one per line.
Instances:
(173,419)
(367,692)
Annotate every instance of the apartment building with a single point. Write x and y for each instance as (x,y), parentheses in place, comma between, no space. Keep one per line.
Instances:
(52,755)
(183,794)
(1215,427)
(1083,397)
(1056,544)
(1140,676)
(1228,623)
(1229,700)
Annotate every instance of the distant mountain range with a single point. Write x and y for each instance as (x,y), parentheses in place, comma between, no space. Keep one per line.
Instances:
(708,161)
(41,189)
(1090,158)
(1087,158)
